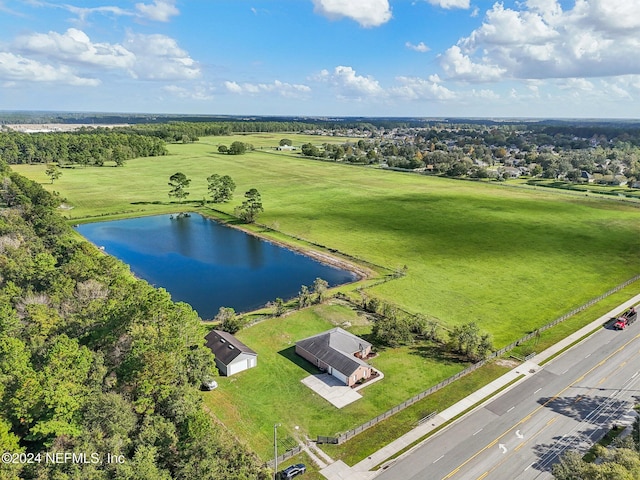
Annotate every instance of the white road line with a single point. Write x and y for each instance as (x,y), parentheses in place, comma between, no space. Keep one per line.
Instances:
(588,356)
(439,458)
(564,371)
(538,390)
(528,467)
(634,375)
(510,409)
(477,433)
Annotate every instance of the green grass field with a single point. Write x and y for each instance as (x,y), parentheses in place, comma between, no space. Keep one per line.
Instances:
(510,259)
(250,402)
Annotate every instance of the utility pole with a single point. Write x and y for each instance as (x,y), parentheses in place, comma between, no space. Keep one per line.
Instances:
(275,451)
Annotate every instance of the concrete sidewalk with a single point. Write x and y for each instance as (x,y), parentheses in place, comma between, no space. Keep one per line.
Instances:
(363,470)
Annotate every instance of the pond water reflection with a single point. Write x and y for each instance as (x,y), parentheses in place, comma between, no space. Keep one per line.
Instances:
(209,265)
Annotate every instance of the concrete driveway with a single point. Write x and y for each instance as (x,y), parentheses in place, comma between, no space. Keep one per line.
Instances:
(331,389)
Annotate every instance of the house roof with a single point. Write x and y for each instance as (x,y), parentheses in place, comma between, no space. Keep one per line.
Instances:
(226,347)
(336,348)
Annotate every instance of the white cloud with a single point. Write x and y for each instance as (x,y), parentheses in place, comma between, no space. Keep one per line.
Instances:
(631,82)
(450,3)
(7,10)
(608,15)
(233,87)
(368,13)
(459,66)
(509,27)
(151,57)
(413,88)
(617,91)
(195,92)
(597,91)
(421,47)
(84,12)
(546,8)
(485,94)
(159,57)
(349,84)
(538,39)
(277,87)
(17,68)
(580,84)
(75,46)
(159,10)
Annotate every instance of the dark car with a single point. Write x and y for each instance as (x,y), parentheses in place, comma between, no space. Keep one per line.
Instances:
(293,471)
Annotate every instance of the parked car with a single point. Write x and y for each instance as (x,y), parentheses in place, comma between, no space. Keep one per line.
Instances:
(209,384)
(293,471)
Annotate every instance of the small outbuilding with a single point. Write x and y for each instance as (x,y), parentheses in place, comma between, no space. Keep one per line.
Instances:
(232,356)
(338,353)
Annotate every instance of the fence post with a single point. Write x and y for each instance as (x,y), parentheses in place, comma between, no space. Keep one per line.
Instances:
(345,436)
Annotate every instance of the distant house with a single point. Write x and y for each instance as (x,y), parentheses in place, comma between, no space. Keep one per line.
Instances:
(232,356)
(511,172)
(287,148)
(586,176)
(339,353)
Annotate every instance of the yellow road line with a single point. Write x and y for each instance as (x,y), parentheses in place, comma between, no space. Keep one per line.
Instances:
(537,409)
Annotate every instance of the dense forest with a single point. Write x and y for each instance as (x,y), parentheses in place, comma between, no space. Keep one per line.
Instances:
(96,363)
(82,147)
(192,131)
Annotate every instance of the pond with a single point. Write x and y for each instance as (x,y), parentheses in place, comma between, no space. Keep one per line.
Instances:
(208,265)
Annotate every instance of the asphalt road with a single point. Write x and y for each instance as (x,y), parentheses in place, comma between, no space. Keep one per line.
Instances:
(568,404)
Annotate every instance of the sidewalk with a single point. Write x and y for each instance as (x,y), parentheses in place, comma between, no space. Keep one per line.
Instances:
(362,470)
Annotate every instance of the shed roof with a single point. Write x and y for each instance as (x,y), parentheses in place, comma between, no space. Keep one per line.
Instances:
(226,347)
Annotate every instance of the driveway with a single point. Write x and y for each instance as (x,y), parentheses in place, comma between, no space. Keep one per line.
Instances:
(331,389)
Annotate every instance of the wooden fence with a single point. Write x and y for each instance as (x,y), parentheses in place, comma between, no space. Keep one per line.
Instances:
(407,403)
(285,456)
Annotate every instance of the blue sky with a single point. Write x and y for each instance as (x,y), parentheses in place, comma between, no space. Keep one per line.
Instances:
(427,58)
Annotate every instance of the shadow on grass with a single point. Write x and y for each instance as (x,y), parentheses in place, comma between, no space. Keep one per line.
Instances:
(439,354)
(290,354)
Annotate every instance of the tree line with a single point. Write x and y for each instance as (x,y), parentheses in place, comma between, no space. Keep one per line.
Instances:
(228,321)
(84,147)
(619,461)
(394,327)
(191,131)
(94,360)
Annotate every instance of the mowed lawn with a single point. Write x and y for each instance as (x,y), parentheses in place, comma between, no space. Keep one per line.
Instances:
(250,402)
(510,259)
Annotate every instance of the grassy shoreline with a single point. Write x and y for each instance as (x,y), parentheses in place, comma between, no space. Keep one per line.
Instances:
(497,254)
(502,257)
